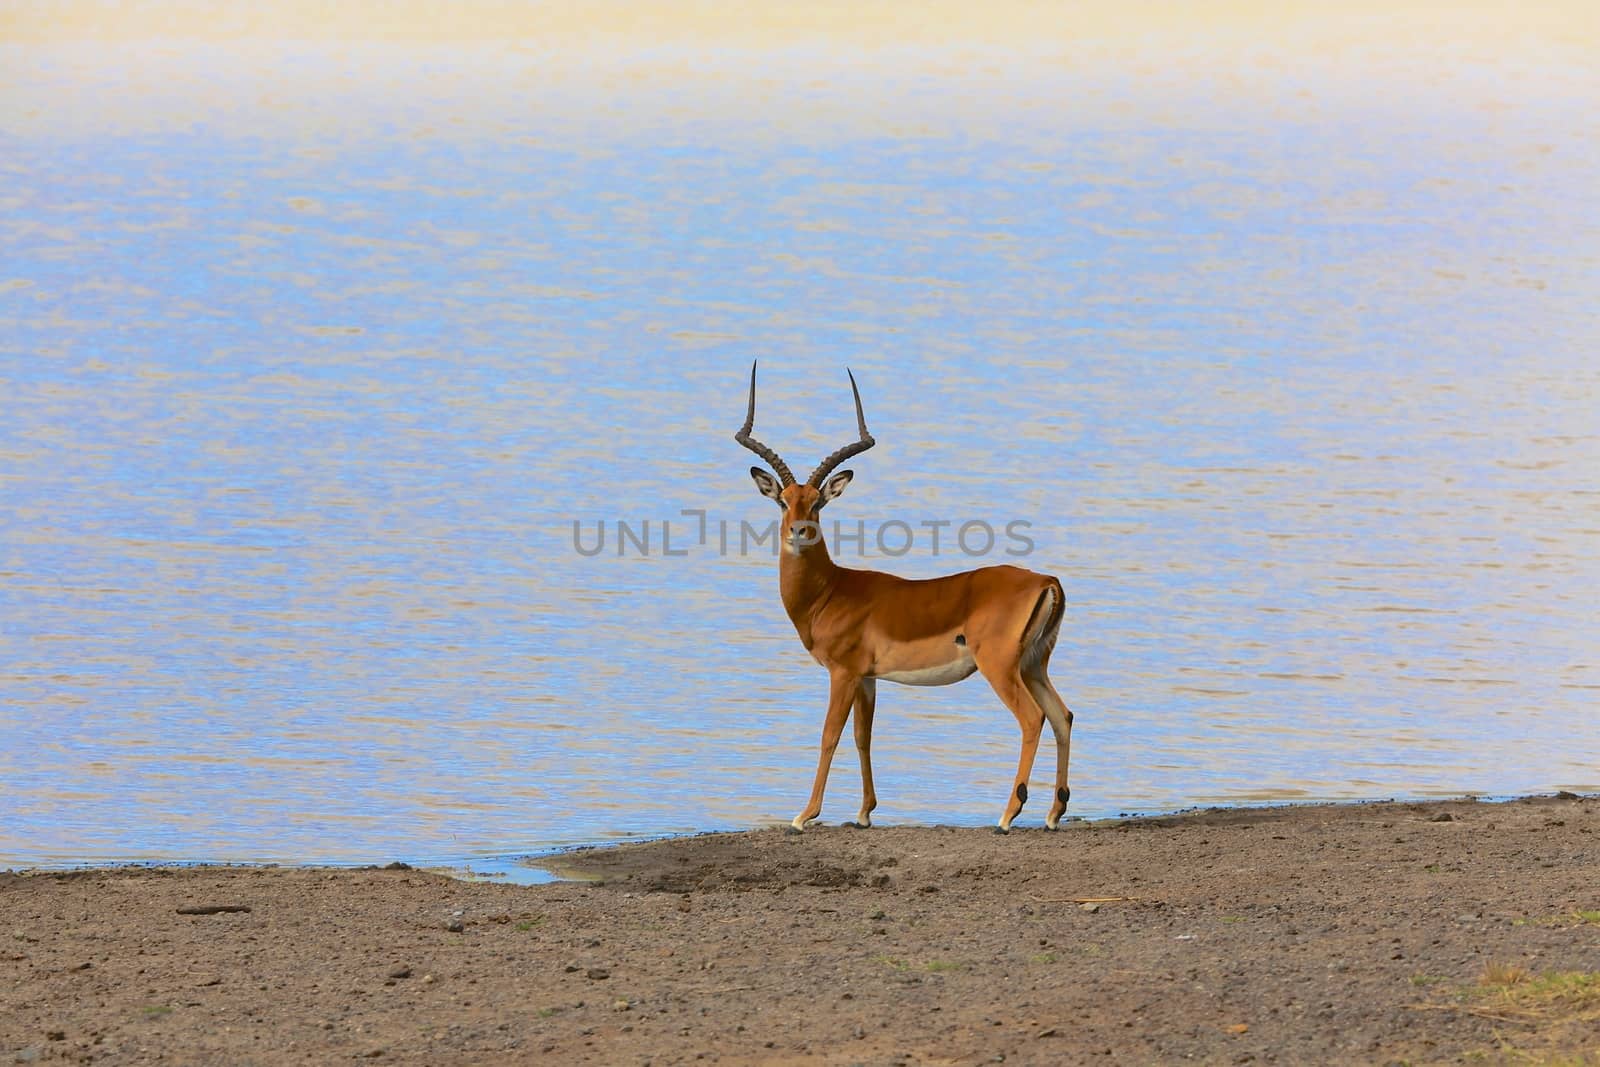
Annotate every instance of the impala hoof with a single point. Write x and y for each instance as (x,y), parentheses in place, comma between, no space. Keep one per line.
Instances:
(1002,829)
(793,830)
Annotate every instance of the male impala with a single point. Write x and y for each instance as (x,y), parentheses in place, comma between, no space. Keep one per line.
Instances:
(866,625)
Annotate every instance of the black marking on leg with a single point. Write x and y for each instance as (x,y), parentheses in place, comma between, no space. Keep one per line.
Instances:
(1022,793)
(1063,794)
(961,639)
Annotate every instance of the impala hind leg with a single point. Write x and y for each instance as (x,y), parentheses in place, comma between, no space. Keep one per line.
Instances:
(866,704)
(1060,716)
(1013,692)
(842,689)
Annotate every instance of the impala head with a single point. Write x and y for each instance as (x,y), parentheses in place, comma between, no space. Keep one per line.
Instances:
(801,502)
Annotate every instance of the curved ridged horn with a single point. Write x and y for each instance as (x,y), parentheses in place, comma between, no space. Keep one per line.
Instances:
(774,461)
(825,468)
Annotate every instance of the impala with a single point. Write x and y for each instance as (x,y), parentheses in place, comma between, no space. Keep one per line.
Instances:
(867,626)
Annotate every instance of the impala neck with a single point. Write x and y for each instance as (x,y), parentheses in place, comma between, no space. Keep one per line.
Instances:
(805,581)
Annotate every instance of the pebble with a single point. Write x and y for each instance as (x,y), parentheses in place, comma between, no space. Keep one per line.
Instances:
(597,973)
(1443,816)
(401,971)
(1090,907)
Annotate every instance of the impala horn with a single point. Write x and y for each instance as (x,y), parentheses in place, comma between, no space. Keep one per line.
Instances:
(825,468)
(743,436)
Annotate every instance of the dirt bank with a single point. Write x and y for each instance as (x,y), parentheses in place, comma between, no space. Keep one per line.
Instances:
(1359,933)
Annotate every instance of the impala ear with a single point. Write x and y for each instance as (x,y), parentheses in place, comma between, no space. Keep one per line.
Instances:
(767,484)
(834,487)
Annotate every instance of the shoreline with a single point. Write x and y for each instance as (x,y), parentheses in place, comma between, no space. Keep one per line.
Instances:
(539,861)
(1380,931)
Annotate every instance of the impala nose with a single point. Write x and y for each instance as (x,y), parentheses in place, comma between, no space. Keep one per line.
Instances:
(804,534)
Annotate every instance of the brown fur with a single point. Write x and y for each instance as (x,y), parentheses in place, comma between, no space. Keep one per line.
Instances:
(861,625)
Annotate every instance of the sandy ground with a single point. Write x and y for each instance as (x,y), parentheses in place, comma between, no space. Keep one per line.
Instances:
(1368,933)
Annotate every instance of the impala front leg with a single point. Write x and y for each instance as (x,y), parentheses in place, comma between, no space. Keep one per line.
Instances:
(866,704)
(842,689)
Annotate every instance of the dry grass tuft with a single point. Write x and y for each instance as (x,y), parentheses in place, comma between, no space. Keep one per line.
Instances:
(1498,975)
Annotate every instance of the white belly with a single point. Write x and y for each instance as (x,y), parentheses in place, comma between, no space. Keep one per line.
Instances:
(944,674)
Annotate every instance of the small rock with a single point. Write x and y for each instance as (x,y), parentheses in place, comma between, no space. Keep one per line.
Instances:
(427,979)
(399,865)
(1443,816)
(1048,1031)
(877,915)
(569,968)
(597,973)
(401,971)
(621,1005)
(1091,907)
(1566,794)
(879,881)
(56,1035)
(455,926)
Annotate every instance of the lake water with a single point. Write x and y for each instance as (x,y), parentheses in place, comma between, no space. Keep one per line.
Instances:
(1282,338)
